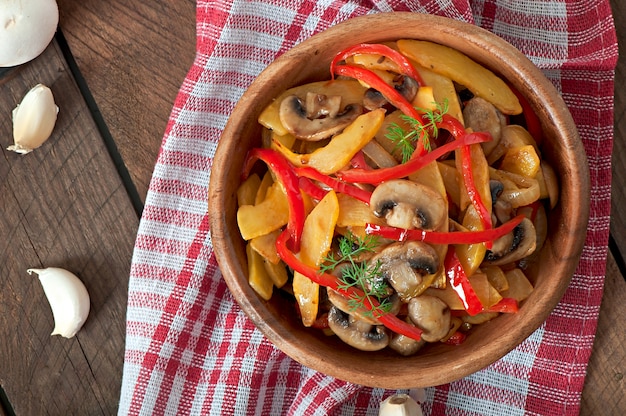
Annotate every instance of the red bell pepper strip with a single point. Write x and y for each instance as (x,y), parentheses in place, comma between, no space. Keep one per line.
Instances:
(455,128)
(404,65)
(358,161)
(533,125)
(452,125)
(472,191)
(337,185)
(534,208)
(287,177)
(456,339)
(460,283)
(321,322)
(506,305)
(390,93)
(311,189)
(376,176)
(328,280)
(436,237)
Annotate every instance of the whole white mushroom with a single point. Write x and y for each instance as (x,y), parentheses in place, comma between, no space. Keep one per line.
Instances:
(26,29)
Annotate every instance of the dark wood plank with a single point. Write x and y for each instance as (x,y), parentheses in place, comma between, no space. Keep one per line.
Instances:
(605,383)
(134,57)
(62,205)
(618,189)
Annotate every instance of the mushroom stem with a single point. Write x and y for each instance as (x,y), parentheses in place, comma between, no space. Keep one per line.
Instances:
(400,405)
(318,118)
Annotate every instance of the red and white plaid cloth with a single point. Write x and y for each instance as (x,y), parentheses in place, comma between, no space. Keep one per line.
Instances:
(190,349)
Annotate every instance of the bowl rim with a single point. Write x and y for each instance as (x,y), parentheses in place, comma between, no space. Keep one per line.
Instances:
(526,78)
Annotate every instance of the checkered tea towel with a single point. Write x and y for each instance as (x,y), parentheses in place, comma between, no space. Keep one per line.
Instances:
(191,350)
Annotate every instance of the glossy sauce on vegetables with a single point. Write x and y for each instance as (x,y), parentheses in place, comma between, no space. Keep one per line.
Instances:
(401,199)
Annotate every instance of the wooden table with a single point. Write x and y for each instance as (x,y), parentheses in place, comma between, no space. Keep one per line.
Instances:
(115,72)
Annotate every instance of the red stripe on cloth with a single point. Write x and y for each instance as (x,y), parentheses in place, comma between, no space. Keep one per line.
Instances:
(183,96)
(195,372)
(179,188)
(169,216)
(213,14)
(487,14)
(165,326)
(591,35)
(296,26)
(439,404)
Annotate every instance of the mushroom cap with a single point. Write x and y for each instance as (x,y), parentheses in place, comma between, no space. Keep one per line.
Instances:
(407,204)
(523,244)
(404,263)
(341,302)
(373,99)
(357,333)
(405,345)
(26,29)
(404,84)
(480,115)
(432,315)
(294,116)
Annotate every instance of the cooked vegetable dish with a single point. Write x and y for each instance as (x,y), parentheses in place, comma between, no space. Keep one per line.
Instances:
(399,202)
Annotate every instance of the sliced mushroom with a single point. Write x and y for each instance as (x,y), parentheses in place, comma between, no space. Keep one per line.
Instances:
(502,210)
(320,105)
(432,315)
(403,264)
(495,187)
(328,120)
(373,99)
(502,245)
(407,204)
(342,303)
(480,115)
(523,242)
(404,84)
(357,333)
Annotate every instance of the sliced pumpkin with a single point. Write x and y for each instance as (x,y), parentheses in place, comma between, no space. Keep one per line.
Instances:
(317,236)
(265,217)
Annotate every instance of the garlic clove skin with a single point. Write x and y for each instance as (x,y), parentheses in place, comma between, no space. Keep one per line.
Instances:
(400,405)
(68,299)
(26,29)
(33,119)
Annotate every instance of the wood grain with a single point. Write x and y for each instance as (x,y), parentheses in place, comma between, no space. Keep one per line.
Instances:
(134,57)
(62,205)
(605,383)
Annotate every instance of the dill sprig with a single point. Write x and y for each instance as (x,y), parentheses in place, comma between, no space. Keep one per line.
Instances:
(405,140)
(368,278)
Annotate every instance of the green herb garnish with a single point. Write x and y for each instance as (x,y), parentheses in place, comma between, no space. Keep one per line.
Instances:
(405,140)
(359,274)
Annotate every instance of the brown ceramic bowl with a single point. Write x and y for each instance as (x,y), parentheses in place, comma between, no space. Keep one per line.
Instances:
(487,343)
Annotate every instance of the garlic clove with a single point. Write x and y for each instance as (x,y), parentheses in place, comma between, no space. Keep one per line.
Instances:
(33,119)
(400,405)
(68,299)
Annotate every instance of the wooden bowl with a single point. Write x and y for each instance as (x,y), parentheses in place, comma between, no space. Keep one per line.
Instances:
(438,363)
